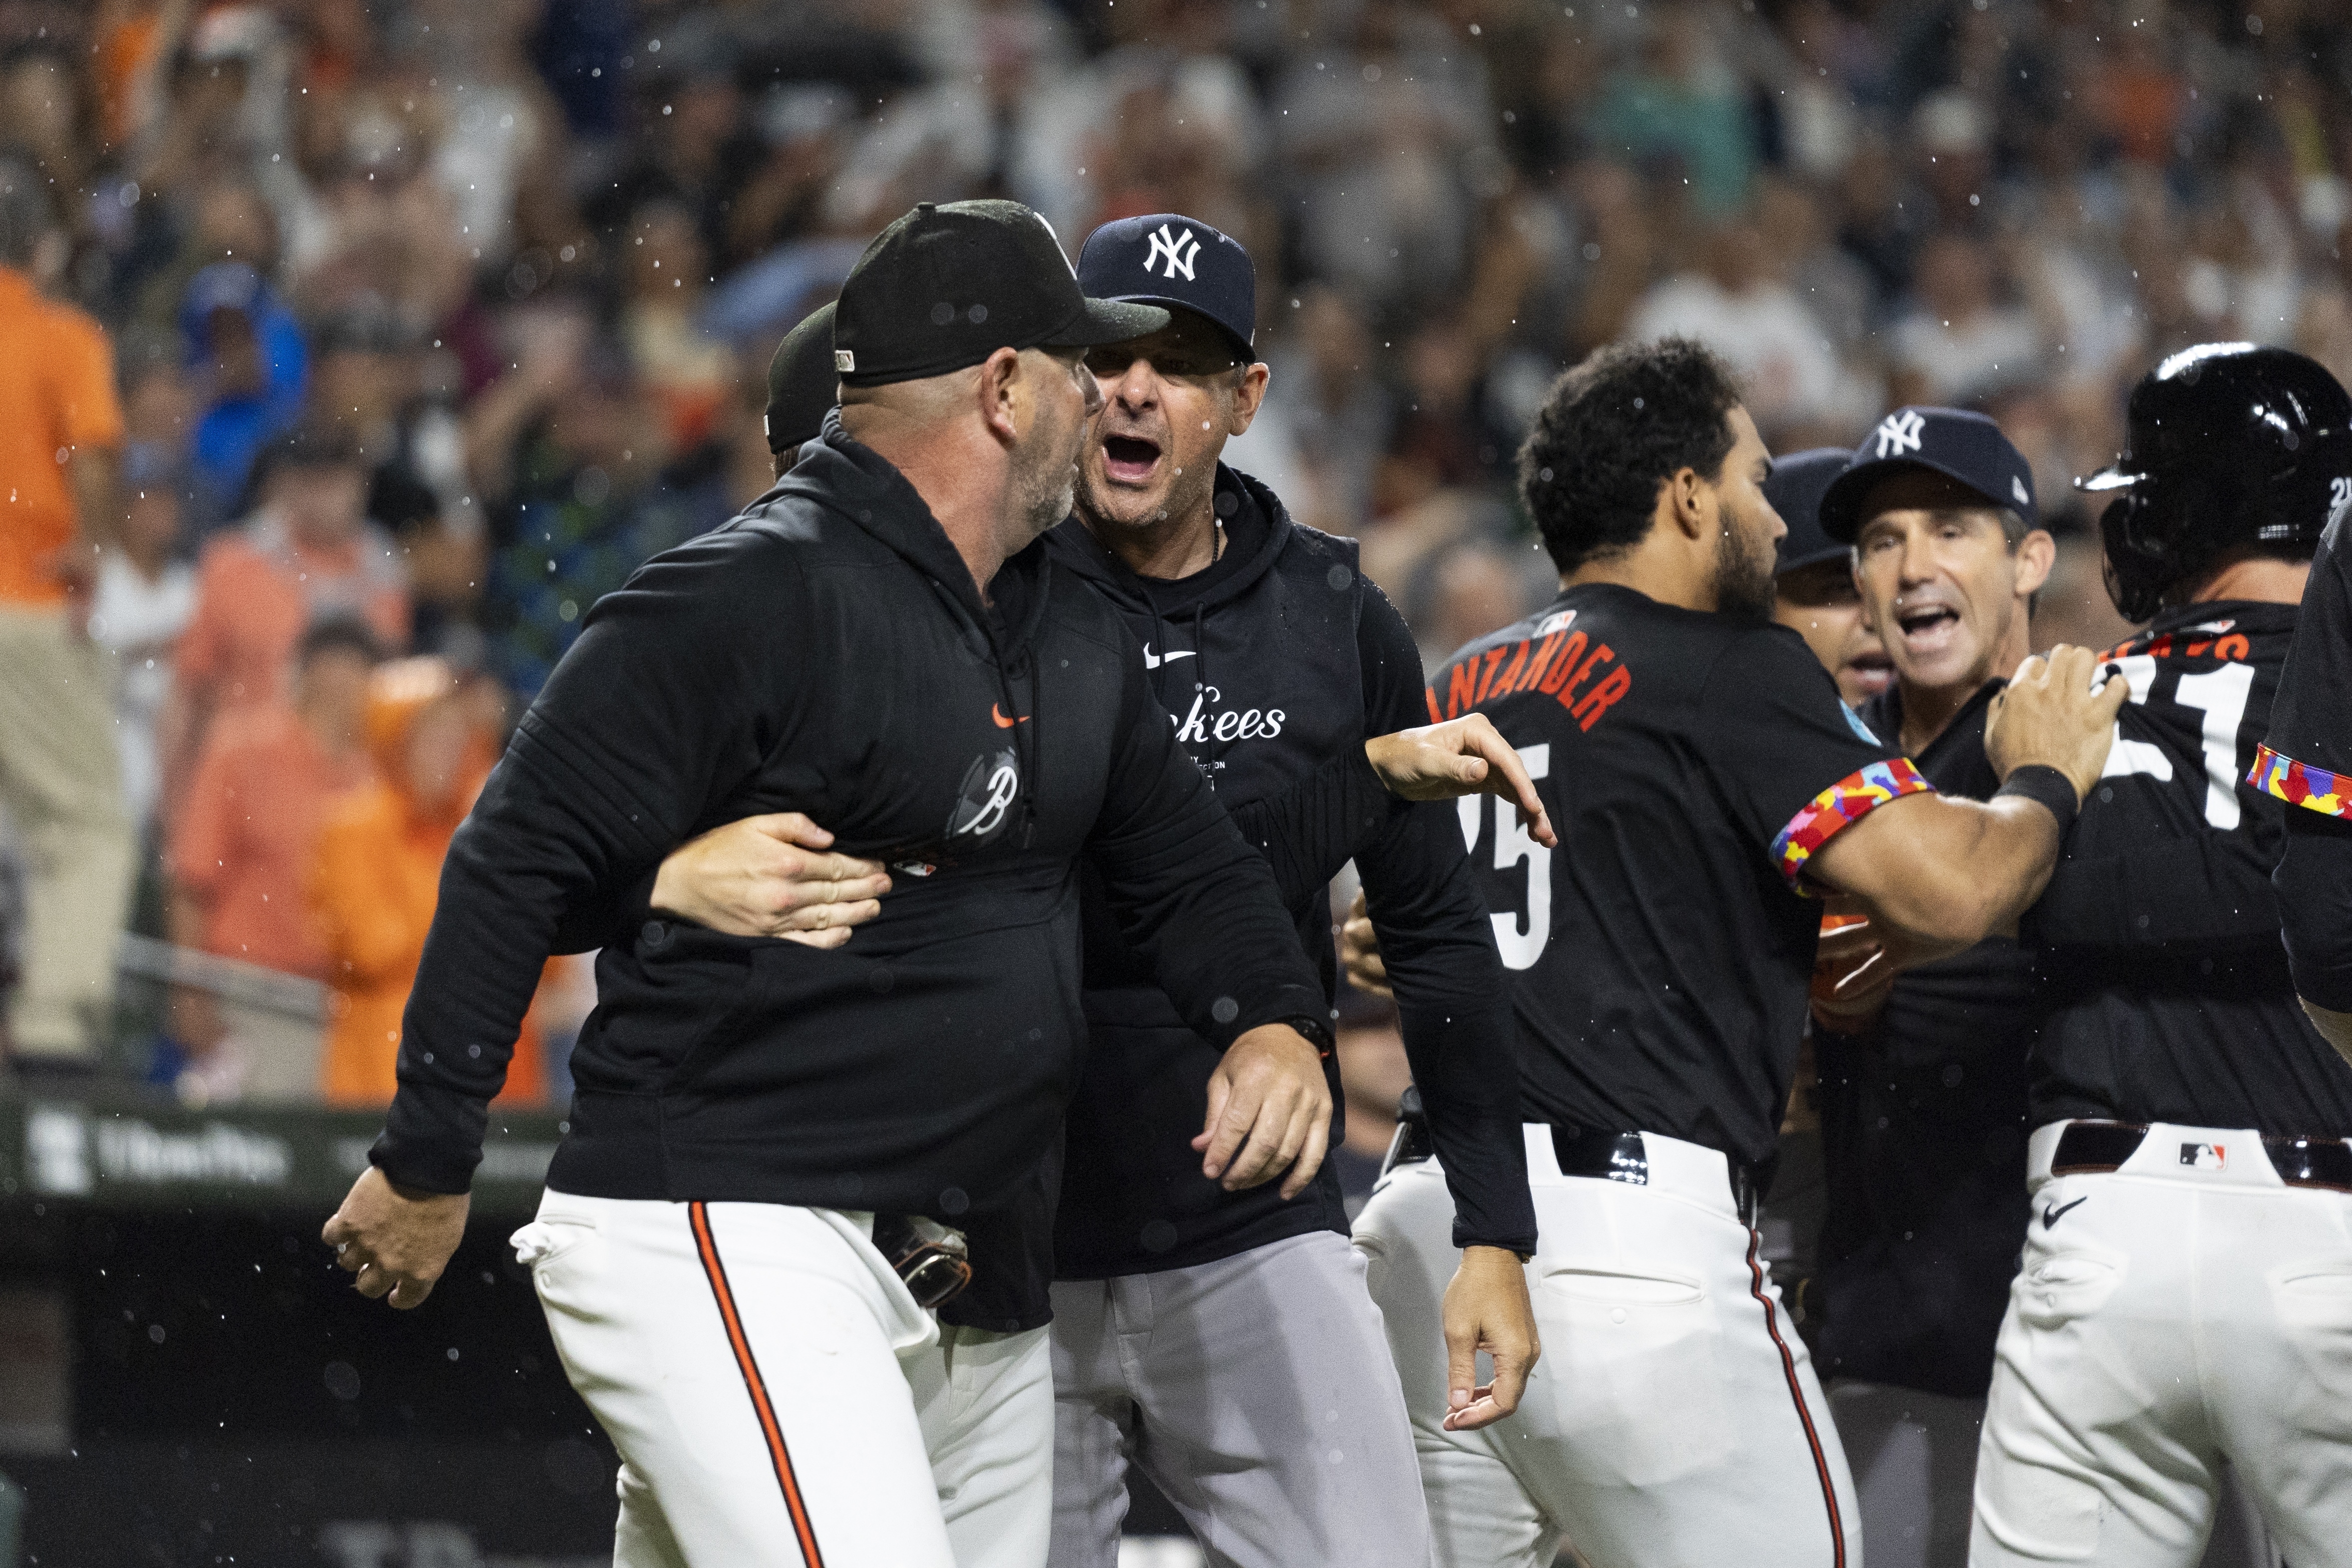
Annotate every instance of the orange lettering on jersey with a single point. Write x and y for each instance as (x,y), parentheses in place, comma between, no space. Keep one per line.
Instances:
(1435,716)
(1605,691)
(1563,664)
(1487,678)
(1537,662)
(1511,676)
(2234,646)
(1461,688)
(1600,654)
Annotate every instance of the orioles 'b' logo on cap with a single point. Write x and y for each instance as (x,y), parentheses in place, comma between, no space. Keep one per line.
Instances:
(1182,251)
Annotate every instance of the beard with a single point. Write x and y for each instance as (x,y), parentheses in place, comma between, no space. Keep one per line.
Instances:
(1743,584)
(1044,487)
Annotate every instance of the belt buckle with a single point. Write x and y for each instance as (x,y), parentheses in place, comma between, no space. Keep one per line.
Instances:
(933,1259)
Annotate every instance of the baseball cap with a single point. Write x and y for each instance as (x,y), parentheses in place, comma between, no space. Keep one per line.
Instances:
(801,382)
(1177,263)
(1795,489)
(1953,442)
(946,286)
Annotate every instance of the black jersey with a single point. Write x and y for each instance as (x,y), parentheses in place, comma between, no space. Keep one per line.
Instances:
(2307,759)
(2166,979)
(1691,762)
(2307,762)
(1923,1135)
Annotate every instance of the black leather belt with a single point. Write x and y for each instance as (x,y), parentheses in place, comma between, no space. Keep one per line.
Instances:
(1581,1152)
(2096,1148)
(1623,1157)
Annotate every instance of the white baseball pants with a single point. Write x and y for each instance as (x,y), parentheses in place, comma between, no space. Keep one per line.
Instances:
(778,1399)
(2187,1308)
(1674,1420)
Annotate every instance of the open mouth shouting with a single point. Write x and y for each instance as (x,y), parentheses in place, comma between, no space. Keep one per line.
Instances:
(1872,671)
(1130,458)
(1927,627)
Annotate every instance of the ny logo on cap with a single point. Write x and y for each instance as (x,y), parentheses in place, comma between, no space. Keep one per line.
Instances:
(1899,432)
(1182,251)
(2017,489)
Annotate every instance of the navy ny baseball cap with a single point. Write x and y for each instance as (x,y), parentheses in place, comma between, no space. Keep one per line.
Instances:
(946,286)
(801,382)
(1177,263)
(1795,489)
(1953,442)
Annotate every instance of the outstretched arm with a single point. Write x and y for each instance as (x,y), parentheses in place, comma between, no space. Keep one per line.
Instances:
(1453,1007)
(1939,875)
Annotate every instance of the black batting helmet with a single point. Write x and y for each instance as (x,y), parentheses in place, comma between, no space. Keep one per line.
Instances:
(2230,445)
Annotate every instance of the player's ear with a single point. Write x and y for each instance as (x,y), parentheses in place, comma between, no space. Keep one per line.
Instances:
(2037,552)
(1003,387)
(1249,395)
(1693,502)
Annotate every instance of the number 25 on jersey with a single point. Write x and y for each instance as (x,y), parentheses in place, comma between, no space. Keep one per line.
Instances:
(1519,937)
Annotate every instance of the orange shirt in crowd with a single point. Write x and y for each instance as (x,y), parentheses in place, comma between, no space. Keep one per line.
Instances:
(259,589)
(245,833)
(57,395)
(375,880)
(123,50)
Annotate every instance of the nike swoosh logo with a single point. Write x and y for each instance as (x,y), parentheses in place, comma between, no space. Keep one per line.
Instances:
(996,712)
(2052,1214)
(1154,660)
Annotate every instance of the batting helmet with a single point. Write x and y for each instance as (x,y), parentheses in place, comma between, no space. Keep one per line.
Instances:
(2229,444)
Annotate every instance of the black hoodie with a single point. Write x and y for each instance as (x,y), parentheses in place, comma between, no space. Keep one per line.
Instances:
(828,653)
(1275,664)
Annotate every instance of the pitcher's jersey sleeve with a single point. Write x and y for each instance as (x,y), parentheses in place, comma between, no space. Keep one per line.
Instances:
(2307,759)
(1793,763)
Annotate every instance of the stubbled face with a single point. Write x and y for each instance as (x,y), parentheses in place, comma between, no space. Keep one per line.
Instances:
(1045,467)
(1941,584)
(1748,545)
(1168,405)
(1821,605)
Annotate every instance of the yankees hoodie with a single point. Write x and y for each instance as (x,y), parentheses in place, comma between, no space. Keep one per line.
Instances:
(1273,665)
(827,652)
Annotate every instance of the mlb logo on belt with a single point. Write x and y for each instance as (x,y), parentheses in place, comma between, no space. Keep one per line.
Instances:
(2205,1156)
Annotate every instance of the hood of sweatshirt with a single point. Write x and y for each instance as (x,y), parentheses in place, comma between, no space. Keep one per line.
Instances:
(1188,656)
(1256,527)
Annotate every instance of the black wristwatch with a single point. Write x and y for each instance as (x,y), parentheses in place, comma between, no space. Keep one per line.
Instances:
(1317,1031)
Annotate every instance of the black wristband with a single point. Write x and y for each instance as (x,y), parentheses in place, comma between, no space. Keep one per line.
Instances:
(2048,788)
(1315,1031)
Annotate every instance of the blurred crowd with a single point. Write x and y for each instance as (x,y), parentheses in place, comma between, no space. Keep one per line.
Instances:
(354,348)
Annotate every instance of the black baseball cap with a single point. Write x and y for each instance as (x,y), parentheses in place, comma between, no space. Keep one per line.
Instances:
(1954,442)
(801,382)
(946,286)
(1177,263)
(1794,488)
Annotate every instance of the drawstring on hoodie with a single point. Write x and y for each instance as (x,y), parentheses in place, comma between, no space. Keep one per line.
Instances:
(1200,675)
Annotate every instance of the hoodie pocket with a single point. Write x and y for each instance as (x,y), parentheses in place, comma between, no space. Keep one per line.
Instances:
(784,984)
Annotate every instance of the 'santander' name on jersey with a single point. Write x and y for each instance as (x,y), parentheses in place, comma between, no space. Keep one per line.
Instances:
(1583,677)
